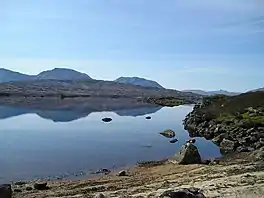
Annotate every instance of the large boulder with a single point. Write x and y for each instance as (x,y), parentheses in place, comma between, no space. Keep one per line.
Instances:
(188,154)
(41,186)
(168,133)
(183,193)
(228,145)
(5,191)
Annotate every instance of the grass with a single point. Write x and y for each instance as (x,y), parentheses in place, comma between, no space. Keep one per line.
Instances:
(235,109)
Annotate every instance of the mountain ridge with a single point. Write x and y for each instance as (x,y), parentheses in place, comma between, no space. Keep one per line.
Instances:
(53,74)
(139,82)
(212,93)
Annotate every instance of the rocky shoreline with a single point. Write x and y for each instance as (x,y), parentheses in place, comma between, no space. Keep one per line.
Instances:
(231,176)
(240,131)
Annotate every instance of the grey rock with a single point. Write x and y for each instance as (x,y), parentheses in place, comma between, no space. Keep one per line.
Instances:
(103,170)
(258,154)
(107,119)
(173,141)
(241,149)
(41,185)
(5,191)
(20,183)
(29,188)
(122,173)
(258,145)
(183,193)
(218,139)
(228,145)
(188,154)
(100,195)
(168,133)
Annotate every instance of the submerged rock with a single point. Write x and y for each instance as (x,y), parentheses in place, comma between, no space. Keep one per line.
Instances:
(168,133)
(192,141)
(103,170)
(183,193)
(188,154)
(5,191)
(173,141)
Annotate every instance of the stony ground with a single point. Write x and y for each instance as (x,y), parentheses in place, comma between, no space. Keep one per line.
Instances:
(237,176)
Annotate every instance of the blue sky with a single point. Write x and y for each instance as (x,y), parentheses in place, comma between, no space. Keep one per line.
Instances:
(191,44)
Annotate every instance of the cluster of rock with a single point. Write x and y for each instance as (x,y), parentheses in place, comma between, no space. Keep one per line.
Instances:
(6,190)
(177,193)
(232,135)
(169,134)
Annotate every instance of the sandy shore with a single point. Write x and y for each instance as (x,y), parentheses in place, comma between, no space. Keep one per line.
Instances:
(240,176)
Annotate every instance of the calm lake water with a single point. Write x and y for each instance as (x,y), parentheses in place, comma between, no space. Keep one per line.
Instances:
(62,144)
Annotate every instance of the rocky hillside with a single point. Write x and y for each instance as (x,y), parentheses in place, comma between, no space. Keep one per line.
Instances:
(88,88)
(138,81)
(212,93)
(235,123)
(7,76)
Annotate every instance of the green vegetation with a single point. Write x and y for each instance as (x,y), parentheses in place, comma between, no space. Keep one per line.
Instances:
(169,101)
(244,109)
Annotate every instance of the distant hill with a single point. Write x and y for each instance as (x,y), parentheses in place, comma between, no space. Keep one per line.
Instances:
(138,81)
(55,74)
(61,74)
(212,93)
(88,88)
(8,75)
(260,89)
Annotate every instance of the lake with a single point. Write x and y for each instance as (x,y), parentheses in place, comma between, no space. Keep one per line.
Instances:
(65,144)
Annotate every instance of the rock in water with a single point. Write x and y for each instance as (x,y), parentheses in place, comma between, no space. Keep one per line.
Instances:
(148,117)
(183,193)
(5,191)
(173,141)
(41,186)
(107,119)
(188,154)
(168,133)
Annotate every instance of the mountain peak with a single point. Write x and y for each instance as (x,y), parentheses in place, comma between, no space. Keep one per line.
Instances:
(62,74)
(138,81)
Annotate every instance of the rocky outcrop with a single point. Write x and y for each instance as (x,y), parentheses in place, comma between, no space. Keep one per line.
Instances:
(188,154)
(239,132)
(183,193)
(5,191)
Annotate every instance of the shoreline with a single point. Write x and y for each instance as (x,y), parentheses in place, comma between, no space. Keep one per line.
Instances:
(231,176)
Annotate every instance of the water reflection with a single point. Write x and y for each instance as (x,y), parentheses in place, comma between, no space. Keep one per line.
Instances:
(71,115)
(35,147)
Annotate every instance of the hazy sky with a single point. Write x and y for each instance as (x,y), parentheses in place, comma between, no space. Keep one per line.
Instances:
(182,44)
